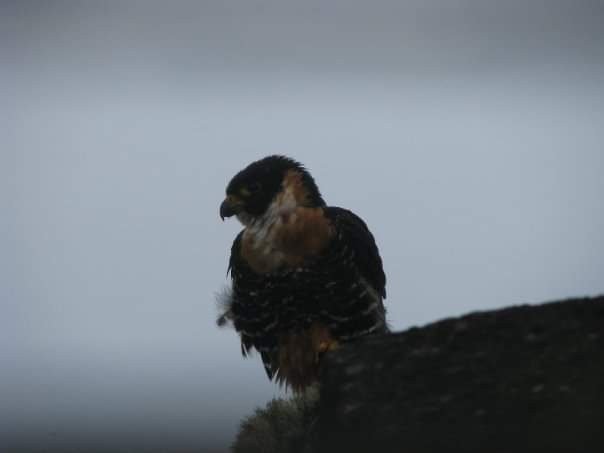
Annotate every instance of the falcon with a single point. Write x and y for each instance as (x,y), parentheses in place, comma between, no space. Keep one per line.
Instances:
(306,277)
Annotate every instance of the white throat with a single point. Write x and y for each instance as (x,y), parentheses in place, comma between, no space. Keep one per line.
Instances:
(283,204)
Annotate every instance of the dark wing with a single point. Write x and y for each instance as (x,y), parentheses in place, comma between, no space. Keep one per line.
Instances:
(353,233)
(235,260)
(236,268)
(241,272)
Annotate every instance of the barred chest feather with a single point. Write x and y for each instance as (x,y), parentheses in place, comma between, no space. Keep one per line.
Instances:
(325,288)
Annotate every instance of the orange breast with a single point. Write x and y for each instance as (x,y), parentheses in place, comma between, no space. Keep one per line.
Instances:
(295,236)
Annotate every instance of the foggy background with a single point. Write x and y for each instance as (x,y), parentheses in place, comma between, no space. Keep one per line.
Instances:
(468,134)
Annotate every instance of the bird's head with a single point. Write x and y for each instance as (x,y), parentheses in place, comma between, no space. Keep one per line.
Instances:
(272,185)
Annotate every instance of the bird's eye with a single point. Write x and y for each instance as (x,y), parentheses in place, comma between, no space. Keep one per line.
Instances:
(254,187)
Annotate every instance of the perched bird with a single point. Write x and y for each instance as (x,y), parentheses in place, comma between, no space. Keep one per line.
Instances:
(305,276)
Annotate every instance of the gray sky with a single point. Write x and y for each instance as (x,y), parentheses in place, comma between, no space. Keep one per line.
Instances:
(468,134)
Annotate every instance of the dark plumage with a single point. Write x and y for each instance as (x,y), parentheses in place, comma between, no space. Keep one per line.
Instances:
(304,276)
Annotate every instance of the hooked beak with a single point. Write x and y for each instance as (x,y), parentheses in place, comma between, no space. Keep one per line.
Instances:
(230,207)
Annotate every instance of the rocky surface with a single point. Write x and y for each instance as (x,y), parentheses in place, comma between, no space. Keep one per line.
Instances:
(521,379)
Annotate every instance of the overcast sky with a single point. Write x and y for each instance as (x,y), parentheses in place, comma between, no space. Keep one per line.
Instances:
(469,135)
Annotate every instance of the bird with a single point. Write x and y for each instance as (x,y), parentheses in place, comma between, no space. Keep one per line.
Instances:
(305,277)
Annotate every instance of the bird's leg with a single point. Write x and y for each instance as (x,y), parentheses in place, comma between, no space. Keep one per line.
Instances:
(322,340)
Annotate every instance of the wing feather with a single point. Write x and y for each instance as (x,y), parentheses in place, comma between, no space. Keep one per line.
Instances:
(353,232)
